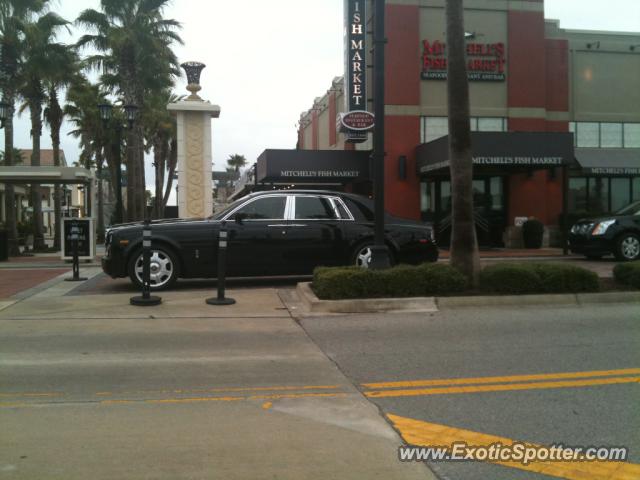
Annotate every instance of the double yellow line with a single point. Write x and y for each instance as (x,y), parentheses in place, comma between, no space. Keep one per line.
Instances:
(499,384)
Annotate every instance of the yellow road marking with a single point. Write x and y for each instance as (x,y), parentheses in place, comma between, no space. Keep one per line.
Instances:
(42,394)
(503,379)
(500,388)
(424,434)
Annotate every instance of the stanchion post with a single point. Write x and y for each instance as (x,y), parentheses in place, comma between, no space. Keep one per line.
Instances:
(146,300)
(222,268)
(75,233)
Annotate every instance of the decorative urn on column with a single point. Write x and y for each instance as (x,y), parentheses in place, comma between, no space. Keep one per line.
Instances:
(194,147)
(193,71)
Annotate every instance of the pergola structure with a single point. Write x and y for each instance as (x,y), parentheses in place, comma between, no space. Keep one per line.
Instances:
(20,174)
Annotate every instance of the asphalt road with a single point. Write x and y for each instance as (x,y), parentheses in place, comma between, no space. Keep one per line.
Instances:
(472,343)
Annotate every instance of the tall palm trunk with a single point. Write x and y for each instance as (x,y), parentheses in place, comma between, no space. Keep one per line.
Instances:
(464,244)
(173,162)
(9,191)
(158,164)
(55,122)
(35,108)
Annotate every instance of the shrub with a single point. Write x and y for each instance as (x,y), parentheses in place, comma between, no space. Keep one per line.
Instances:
(523,278)
(532,233)
(509,278)
(628,274)
(401,281)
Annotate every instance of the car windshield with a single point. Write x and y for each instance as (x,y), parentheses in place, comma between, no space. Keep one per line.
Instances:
(633,209)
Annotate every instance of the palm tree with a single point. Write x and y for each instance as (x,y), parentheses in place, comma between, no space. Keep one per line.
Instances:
(41,60)
(134,42)
(14,14)
(95,138)
(236,161)
(62,76)
(16,158)
(464,244)
(161,133)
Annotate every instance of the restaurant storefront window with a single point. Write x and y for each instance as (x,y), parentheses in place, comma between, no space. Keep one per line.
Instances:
(597,195)
(578,194)
(620,193)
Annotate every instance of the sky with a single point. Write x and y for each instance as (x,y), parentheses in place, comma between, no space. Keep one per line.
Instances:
(267,61)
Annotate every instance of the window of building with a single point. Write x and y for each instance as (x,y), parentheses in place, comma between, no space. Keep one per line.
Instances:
(497,194)
(611,135)
(491,124)
(635,189)
(432,128)
(578,194)
(598,195)
(605,134)
(588,134)
(632,135)
(620,193)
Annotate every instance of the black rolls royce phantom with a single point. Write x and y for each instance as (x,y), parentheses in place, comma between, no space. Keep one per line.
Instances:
(269,233)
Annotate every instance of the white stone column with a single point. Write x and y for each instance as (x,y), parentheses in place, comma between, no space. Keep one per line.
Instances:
(194,156)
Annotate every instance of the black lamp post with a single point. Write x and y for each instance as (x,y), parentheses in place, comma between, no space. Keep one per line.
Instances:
(379,252)
(130,114)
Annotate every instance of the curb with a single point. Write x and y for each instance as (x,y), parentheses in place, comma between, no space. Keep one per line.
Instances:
(432,304)
(367,305)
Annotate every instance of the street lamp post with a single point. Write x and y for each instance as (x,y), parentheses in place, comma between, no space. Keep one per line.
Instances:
(379,252)
(130,113)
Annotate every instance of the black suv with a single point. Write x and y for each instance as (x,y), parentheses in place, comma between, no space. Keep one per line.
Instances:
(618,234)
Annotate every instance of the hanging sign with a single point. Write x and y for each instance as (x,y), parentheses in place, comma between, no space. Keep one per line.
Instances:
(355,86)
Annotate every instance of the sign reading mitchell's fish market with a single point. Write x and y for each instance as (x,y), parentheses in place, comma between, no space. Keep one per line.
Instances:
(356,120)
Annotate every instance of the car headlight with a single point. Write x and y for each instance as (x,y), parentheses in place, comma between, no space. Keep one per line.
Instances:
(601,228)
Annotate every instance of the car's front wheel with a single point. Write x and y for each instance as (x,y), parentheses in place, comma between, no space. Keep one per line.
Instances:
(628,247)
(163,268)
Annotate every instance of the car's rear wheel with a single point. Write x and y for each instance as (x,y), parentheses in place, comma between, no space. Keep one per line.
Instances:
(163,268)
(628,247)
(362,254)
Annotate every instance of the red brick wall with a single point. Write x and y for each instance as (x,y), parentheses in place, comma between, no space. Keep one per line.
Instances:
(314,132)
(402,55)
(332,118)
(402,197)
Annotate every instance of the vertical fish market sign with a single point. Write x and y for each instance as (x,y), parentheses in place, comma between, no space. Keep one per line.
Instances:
(355,83)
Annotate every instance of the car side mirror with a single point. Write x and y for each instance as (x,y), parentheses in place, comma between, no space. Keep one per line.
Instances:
(239,217)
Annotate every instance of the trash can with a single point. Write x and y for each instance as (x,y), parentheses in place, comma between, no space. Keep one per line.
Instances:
(4,246)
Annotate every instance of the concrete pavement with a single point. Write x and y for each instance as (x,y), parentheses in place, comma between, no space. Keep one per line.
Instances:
(91,387)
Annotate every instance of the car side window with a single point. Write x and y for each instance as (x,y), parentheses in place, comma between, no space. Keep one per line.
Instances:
(314,208)
(360,212)
(269,208)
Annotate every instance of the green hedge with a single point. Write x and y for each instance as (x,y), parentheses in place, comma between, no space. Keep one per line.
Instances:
(523,278)
(402,281)
(628,274)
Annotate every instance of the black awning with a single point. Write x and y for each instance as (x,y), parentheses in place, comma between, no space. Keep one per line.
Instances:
(509,152)
(609,161)
(313,166)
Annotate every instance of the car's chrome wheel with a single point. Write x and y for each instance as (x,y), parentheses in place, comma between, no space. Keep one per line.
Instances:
(162,269)
(363,256)
(629,247)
